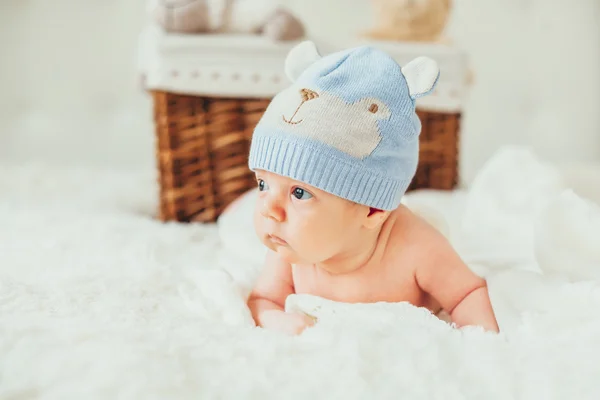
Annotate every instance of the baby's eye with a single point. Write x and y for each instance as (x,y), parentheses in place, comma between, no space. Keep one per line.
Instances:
(262,185)
(301,194)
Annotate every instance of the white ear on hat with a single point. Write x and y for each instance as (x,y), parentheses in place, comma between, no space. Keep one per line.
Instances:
(421,75)
(299,58)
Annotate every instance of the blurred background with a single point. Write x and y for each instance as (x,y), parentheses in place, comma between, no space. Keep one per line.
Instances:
(69,91)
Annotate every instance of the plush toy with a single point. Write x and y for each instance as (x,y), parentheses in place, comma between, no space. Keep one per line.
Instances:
(410,20)
(265,17)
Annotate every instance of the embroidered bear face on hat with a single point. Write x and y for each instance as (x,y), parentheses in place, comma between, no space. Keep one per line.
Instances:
(347,124)
(323,116)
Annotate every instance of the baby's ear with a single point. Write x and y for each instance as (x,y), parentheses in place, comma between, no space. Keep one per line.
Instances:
(421,75)
(375,218)
(299,58)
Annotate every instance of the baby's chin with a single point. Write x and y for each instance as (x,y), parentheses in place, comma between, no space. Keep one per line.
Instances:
(286,253)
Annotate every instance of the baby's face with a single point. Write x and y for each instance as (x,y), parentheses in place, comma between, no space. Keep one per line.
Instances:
(301,223)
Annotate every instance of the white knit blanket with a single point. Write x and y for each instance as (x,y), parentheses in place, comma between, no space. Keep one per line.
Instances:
(100,301)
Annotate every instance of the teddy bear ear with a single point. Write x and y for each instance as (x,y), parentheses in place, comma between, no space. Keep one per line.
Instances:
(299,58)
(421,75)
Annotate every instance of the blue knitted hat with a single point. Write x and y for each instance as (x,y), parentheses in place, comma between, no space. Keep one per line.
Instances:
(347,125)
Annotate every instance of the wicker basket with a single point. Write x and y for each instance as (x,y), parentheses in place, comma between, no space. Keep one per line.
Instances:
(209,92)
(203,145)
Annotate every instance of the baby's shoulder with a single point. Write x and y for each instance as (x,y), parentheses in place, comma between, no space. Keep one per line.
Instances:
(412,234)
(406,223)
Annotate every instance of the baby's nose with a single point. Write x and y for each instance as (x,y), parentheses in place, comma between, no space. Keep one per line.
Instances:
(273,210)
(308,94)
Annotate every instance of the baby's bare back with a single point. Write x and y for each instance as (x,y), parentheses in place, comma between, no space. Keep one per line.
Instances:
(390,275)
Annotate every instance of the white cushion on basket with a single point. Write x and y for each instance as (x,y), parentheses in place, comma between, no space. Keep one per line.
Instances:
(252,66)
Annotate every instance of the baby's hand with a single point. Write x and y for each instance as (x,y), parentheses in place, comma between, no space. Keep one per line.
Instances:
(286,322)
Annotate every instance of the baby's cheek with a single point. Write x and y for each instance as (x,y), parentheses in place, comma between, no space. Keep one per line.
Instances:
(300,232)
(318,237)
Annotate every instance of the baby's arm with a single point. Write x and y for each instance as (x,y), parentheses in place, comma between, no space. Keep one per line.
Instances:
(267,300)
(460,292)
(476,309)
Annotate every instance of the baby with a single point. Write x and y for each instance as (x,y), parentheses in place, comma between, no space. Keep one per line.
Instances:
(333,155)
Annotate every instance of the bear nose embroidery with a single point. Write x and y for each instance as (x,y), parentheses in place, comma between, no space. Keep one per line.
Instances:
(306,95)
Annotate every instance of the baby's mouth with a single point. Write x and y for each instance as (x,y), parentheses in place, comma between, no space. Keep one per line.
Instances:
(277,240)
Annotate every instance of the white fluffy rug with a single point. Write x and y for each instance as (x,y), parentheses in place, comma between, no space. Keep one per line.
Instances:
(100,301)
